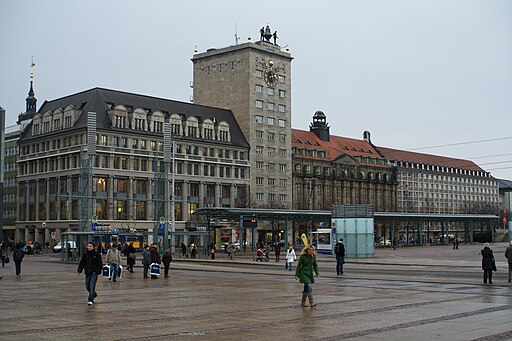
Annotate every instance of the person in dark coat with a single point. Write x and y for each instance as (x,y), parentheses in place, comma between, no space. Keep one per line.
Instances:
(339,250)
(130,257)
(17,257)
(167,259)
(183,250)
(92,263)
(155,258)
(304,273)
(488,263)
(277,250)
(146,260)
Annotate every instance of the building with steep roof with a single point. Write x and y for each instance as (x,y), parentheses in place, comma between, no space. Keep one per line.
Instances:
(334,170)
(210,157)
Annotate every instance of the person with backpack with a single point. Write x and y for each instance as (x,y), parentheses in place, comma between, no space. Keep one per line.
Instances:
(339,250)
(17,257)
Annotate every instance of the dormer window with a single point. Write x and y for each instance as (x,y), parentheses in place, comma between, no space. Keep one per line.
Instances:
(224,132)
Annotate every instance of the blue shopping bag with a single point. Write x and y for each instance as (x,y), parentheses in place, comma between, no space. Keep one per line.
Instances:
(106,271)
(154,269)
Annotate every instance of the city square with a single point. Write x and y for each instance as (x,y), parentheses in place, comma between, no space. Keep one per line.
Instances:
(416,293)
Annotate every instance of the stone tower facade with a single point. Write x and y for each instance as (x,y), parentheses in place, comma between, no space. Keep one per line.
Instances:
(253,80)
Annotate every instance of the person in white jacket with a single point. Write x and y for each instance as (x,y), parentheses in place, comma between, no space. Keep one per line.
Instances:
(290,257)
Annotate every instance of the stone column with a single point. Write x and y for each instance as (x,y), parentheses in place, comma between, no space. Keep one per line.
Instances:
(149,201)
(69,201)
(232,194)
(217,195)
(184,201)
(201,194)
(110,200)
(36,200)
(131,202)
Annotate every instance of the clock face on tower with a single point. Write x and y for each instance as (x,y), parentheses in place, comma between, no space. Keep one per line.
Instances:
(271,77)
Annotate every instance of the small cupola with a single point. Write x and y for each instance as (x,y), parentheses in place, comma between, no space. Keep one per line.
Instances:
(320,126)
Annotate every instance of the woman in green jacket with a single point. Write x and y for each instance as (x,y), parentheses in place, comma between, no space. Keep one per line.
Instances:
(304,273)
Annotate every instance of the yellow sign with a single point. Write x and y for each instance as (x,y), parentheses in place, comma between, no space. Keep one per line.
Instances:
(304,239)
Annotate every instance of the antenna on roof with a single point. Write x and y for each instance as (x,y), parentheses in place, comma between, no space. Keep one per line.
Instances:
(237,38)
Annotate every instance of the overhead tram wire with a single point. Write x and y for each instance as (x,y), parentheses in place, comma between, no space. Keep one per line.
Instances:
(463,143)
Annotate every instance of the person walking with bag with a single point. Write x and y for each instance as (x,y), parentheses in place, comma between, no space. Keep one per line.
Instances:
(113,259)
(146,260)
(339,250)
(304,273)
(155,258)
(488,263)
(166,260)
(92,264)
(290,257)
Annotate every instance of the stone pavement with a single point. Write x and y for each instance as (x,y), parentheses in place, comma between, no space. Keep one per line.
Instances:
(398,295)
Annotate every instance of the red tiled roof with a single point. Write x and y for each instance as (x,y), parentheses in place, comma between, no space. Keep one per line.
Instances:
(334,148)
(428,159)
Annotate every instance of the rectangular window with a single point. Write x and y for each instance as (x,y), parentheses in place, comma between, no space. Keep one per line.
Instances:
(282,79)
(282,152)
(259,196)
(259,119)
(271,197)
(271,166)
(282,167)
(116,141)
(259,73)
(270,91)
(282,182)
(259,165)
(270,106)
(259,149)
(259,134)
(259,104)
(271,151)
(282,197)
(282,137)
(282,108)
(259,88)
(282,123)
(270,121)
(282,93)
(124,142)
(271,136)
(271,181)
(259,181)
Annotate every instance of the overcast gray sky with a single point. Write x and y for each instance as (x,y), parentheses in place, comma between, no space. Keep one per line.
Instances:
(414,73)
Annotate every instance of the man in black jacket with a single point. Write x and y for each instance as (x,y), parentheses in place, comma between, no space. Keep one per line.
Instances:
(339,250)
(92,263)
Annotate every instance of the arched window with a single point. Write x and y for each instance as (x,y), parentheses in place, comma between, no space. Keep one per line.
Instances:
(176,125)
(208,130)
(192,129)
(223,132)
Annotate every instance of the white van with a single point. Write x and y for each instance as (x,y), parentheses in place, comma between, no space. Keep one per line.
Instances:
(58,247)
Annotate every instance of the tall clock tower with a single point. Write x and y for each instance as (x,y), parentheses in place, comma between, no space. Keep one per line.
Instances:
(253,80)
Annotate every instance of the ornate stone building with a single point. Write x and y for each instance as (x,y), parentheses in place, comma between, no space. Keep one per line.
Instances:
(211,161)
(331,170)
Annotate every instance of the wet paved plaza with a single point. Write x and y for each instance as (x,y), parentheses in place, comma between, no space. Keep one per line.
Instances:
(429,293)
